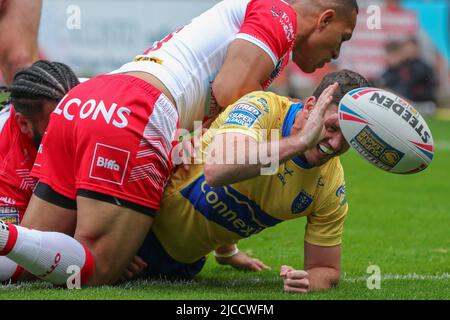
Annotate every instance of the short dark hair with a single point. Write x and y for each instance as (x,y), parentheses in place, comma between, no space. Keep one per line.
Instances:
(338,5)
(44,80)
(348,80)
(341,5)
(352,4)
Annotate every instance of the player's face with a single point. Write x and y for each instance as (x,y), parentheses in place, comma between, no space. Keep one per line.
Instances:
(324,44)
(333,142)
(41,123)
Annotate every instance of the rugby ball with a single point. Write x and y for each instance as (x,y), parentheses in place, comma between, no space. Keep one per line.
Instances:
(386,130)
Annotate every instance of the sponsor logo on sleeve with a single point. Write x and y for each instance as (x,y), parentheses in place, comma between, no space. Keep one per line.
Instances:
(265,104)
(340,193)
(285,22)
(109,164)
(244,115)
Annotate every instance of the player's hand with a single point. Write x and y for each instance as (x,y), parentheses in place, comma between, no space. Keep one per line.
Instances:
(136,266)
(311,132)
(188,153)
(188,150)
(243,261)
(295,281)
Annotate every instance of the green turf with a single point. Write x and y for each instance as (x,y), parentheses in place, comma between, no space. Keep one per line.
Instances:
(400,223)
(3,98)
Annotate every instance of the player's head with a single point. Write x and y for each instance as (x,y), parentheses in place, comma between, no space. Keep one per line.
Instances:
(35,92)
(333,142)
(322,27)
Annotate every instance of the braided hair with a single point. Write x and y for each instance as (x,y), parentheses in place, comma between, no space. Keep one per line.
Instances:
(44,80)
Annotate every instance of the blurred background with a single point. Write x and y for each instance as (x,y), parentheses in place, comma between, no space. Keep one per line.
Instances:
(400,45)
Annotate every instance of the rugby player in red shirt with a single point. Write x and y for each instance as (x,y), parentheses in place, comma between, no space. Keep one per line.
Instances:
(34,93)
(108,146)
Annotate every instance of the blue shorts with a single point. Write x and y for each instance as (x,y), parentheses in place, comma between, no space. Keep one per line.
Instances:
(162,265)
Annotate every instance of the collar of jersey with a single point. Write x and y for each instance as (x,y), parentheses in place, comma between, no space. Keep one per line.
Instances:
(286,131)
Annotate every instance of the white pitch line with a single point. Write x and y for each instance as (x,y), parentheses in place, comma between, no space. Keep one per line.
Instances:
(409,276)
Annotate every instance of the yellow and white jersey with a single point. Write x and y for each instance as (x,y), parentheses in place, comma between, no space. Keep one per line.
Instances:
(194,218)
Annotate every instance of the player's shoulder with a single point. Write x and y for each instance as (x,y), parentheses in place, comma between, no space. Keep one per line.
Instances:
(262,103)
(333,171)
(335,166)
(273,15)
(332,186)
(264,100)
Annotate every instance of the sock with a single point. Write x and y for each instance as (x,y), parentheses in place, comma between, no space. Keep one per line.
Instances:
(9,270)
(47,255)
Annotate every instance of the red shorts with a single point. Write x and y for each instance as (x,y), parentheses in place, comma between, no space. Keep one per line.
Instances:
(113,135)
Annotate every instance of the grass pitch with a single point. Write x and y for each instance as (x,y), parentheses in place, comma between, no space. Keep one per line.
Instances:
(399,223)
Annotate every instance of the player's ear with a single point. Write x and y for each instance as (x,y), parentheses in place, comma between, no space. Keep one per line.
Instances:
(326,18)
(309,105)
(25,125)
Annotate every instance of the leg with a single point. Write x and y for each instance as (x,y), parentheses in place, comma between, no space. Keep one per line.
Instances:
(44,216)
(41,253)
(7,269)
(112,234)
(161,265)
(51,256)
(19,24)
(107,234)
(130,163)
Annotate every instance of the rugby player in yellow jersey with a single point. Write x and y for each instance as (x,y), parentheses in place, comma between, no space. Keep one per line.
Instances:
(213,206)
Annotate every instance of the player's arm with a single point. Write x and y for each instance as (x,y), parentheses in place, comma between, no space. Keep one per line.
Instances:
(321,271)
(269,154)
(259,48)
(231,255)
(323,264)
(322,245)
(19,25)
(245,69)
(218,174)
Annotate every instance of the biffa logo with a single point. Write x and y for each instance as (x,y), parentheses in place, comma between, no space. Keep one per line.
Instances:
(107,164)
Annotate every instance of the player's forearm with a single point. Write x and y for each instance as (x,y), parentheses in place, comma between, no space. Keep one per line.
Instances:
(322,278)
(268,156)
